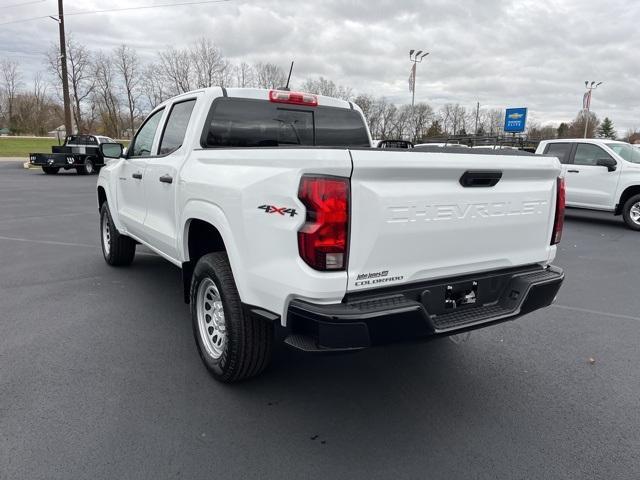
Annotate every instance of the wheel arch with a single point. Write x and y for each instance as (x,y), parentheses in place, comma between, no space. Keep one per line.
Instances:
(104,195)
(207,230)
(626,195)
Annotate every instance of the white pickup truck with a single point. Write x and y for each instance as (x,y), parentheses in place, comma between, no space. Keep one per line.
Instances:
(600,174)
(284,218)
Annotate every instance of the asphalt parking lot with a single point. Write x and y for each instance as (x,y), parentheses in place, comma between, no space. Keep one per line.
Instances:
(100,377)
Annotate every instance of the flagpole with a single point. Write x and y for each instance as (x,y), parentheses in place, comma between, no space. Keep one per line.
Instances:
(586,103)
(413,87)
(416,58)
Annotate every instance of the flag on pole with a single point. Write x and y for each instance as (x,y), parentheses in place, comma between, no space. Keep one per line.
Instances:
(586,100)
(412,79)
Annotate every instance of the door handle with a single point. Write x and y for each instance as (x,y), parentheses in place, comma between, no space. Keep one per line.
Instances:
(137,176)
(166,179)
(573,171)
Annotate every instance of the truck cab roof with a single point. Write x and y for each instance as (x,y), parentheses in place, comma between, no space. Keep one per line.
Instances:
(257,94)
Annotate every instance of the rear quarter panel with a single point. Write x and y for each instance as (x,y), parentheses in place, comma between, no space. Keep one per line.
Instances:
(229,186)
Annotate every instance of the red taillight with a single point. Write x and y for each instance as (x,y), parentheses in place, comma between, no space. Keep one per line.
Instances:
(323,239)
(558,223)
(296,98)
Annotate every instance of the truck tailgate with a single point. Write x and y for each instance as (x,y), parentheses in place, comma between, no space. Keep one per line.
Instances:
(412,219)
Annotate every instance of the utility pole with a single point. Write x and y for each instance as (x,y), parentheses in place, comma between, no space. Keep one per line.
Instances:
(416,58)
(586,102)
(63,70)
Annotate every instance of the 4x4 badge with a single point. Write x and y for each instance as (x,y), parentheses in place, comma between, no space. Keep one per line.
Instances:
(281,210)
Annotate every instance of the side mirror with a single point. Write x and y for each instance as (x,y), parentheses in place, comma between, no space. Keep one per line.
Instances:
(610,163)
(111,150)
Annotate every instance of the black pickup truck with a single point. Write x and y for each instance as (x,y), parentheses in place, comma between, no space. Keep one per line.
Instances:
(81,152)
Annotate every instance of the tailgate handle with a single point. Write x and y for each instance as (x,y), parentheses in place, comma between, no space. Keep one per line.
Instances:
(480,178)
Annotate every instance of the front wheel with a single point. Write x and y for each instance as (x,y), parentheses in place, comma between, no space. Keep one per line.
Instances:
(50,170)
(118,249)
(233,344)
(631,213)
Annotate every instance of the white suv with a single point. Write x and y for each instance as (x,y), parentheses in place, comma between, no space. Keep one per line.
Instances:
(600,174)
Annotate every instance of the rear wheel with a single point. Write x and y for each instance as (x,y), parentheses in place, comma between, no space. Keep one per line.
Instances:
(233,344)
(631,213)
(118,249)
(50,170)
(88,168)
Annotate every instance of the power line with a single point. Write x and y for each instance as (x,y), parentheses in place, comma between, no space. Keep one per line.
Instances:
(143,7)
(21,4)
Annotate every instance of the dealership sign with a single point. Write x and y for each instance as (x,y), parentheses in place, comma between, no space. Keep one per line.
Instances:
(515,120)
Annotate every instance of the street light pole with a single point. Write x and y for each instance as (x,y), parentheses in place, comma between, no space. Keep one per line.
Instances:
(415,58)
(586,104)
(63,70)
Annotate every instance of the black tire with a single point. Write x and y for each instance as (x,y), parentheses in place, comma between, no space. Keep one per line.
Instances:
(627,214)
(120,249)
(249,340)
(50,170)
(88,168)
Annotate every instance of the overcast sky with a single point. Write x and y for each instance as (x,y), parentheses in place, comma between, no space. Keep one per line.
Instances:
(498,52)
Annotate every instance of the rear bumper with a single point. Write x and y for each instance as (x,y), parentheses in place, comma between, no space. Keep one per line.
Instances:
(416,311)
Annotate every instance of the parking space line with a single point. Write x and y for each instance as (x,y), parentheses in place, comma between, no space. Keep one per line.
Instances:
(64,244)
(38,217)
(46,242)
(596,312)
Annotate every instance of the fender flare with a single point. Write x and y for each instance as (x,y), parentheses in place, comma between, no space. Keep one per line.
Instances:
(105,183)
(213,215)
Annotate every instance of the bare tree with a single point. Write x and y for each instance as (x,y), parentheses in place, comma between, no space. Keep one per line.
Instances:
(176,67)
(81,79)
(34,112)
(322,86)
(387,116)
(126,63)
(40,107)
(106,98)
(420,119)
(494,121)
(401,122)
(366,104)
(10,81)
(269,75)
(153,88)
(458,119)
(208,63)
(245,75)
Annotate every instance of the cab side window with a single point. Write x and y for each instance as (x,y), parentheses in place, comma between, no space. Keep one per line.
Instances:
(589,154)
(176,127)
(143,142)
(559,150)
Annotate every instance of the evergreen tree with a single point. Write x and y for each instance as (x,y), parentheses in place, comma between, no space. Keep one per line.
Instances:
(563,130)
(606,129)
(435,130)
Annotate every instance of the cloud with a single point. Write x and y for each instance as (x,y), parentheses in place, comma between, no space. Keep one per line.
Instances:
(499,53)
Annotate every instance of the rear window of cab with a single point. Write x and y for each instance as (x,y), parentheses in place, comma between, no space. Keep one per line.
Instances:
(247,123)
